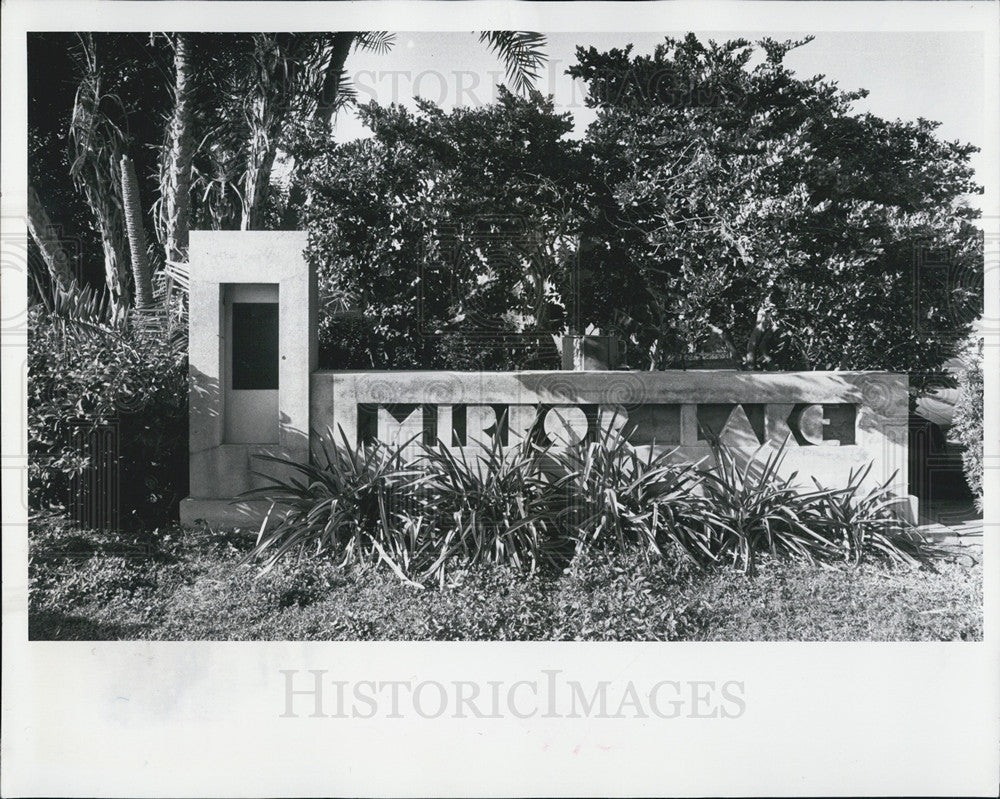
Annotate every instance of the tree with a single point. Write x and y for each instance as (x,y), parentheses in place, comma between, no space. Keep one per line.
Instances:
(178,158)
(232,104)
(522,53)
(969,416)
(44,234)
(743,203)
(98,138)
(91,98)
(271,93)
(454,234)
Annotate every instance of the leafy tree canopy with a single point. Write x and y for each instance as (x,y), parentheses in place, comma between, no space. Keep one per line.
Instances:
(736,202)
(203,116)
(453,233)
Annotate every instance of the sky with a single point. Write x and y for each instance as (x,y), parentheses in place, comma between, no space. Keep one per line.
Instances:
(935,75)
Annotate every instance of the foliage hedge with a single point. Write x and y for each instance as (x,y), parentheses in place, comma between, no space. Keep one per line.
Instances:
(82,376)
(969,418)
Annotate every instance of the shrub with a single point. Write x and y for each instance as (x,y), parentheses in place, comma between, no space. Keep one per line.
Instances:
(368,505)
(81,378)
(344,341)
(342,507)
(969,418)
(497,506)
(619,498)
(414,228)
(752,510)
(866,523)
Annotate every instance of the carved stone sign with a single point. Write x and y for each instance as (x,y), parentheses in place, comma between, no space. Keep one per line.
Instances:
(833,422)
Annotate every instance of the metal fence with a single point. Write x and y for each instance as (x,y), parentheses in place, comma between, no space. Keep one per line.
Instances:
(95,493)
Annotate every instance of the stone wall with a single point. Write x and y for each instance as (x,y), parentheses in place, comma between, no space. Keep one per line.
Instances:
(833,421)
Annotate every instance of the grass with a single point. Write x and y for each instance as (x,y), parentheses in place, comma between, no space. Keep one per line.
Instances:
(189,585)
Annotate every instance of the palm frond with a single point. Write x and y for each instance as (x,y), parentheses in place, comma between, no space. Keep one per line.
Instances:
(380,42)
(96,143)
(522,53)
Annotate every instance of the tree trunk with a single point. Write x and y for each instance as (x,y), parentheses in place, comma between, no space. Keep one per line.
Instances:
(758,339)
(176,192)
(114,263)
(108,215)
(136,235)
(276,62)
(330,93)
(45,236)
(734,351)
(263,150)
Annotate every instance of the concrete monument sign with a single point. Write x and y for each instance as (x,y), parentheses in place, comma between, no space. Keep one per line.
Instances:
(256,390)
(833,421)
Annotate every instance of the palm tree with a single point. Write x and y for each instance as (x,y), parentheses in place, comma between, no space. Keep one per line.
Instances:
(177,174)
(273,88)
(47,239)
(277,86)
(97,143)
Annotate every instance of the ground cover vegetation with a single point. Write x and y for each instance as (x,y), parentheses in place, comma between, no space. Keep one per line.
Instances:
(174,584)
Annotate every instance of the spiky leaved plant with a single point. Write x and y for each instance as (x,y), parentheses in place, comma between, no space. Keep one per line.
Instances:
(339,506)
(622,498)
(97,138)
(494,504)
(868,523)
(752,508)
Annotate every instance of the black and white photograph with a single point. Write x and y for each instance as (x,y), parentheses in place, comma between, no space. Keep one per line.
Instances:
(520,411)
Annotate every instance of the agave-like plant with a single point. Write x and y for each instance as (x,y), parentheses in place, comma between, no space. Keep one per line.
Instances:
(532,506)
(754,509)
(866,523)
(621,498)
(341,505)
(495,505)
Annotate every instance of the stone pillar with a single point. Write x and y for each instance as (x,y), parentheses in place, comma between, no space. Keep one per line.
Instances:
(233,275)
